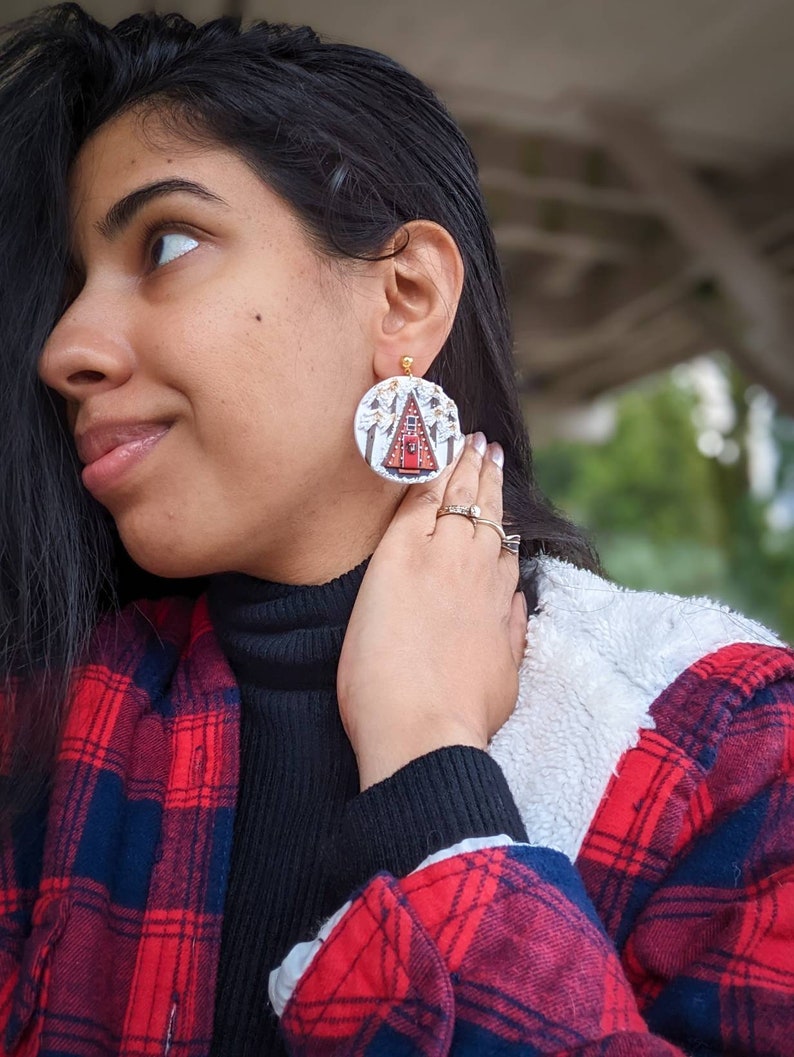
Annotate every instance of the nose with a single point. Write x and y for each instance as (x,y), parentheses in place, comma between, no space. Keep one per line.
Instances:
(84,357)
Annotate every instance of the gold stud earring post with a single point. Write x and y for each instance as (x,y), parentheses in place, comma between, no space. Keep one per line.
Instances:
(406,364)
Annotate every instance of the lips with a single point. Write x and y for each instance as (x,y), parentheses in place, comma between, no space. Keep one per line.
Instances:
(111,452)
(97,441)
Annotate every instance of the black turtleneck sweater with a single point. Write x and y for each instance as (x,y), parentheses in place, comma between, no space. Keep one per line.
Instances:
(304,837)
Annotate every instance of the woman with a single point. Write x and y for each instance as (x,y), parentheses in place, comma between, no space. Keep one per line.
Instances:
(288,767)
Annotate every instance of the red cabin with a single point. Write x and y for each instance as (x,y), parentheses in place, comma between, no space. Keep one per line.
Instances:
(409,459)
(410,451)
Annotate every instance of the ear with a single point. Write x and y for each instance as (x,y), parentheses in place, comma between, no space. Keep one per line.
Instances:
(422,287)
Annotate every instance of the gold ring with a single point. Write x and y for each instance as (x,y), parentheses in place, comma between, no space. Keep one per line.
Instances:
(472,511)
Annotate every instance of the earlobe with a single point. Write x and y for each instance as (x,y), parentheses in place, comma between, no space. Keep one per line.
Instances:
(422,287)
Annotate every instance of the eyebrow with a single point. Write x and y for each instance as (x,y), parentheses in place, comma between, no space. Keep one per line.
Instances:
(120,215)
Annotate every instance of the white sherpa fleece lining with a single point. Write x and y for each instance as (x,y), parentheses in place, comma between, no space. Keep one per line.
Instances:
(597,657)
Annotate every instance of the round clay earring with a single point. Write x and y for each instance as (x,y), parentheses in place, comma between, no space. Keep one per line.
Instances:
(407,428)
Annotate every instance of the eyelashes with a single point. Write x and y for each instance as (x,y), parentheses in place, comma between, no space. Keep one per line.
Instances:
(176,239)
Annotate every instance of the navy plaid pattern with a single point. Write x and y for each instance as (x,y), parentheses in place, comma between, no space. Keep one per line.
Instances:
(673,932)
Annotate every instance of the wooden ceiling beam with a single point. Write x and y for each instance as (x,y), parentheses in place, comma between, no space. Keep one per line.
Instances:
(672,339)
(580,247)
(575,192)
(701,224)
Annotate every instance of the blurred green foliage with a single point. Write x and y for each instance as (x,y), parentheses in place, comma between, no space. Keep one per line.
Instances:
(665,517)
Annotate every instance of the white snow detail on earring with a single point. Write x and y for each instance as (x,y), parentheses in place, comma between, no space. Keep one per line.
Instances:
(407,429)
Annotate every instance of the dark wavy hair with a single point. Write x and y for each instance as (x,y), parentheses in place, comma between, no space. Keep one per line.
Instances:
(353,142)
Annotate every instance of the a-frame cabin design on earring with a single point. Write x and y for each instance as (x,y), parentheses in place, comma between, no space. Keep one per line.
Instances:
(410,451)
(391,431)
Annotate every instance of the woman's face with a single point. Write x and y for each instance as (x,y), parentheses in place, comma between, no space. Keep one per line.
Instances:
(227,352)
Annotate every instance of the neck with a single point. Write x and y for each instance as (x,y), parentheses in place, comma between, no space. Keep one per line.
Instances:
(327,539)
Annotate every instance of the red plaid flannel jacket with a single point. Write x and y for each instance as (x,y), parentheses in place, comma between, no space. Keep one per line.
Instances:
(673,931)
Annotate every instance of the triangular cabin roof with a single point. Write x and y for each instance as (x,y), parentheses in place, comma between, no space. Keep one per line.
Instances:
(392,460)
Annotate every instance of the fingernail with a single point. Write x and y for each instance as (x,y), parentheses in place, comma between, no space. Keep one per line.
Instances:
(479,443)
(498,455)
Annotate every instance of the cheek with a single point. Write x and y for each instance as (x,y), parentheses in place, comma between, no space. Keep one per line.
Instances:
(270,394)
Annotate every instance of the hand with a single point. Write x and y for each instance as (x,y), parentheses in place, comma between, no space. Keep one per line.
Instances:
(437,635)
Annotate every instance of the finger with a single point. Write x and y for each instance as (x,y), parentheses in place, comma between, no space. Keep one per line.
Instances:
(489,493)
(463,486)
(464,482)
(518,627)
(490,501)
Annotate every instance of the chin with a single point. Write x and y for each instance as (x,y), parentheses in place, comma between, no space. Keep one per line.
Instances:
(169,554)
(170,567)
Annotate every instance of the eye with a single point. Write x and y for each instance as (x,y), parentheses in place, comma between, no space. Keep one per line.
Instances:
(169,246)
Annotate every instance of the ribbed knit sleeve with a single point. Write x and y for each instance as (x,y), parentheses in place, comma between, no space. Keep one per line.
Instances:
(431,803)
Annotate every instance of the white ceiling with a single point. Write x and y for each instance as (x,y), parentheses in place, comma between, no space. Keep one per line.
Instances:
(715,74)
